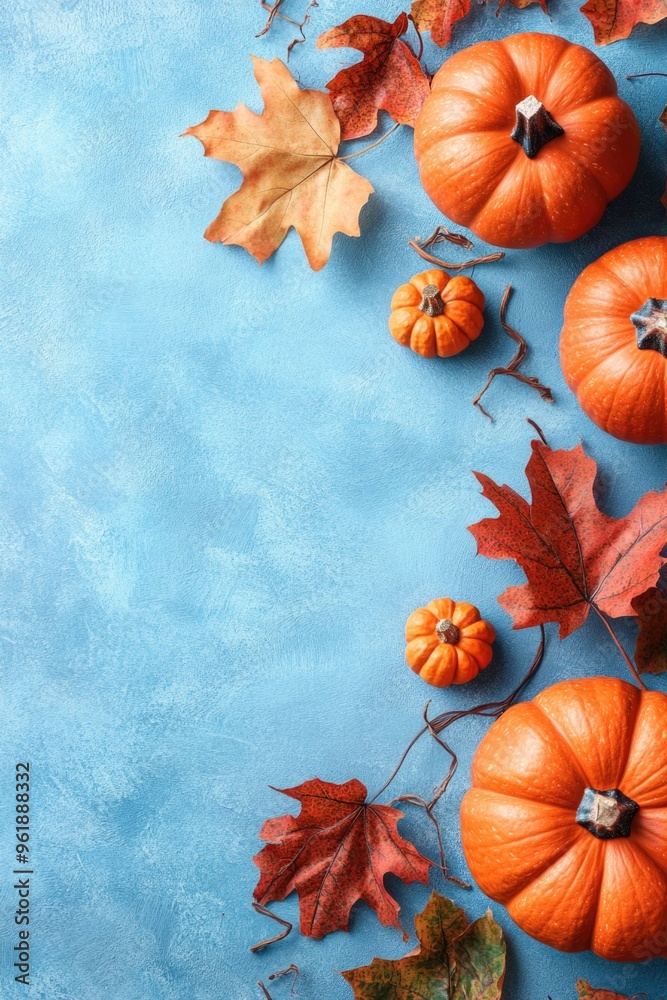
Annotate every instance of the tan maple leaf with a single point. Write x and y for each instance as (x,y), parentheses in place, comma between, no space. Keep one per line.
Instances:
(292,177)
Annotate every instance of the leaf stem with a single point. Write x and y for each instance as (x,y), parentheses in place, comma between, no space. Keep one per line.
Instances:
(633,670)
(266,912)
(372,145)
(512,369)
(636,76)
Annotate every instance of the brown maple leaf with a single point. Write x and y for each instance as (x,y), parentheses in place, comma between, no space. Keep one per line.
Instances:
(335,852)
(440,16)
(587,992)
(651,648)
(292,176)
(388,78)
(615,19)
(455,960)
(575,557)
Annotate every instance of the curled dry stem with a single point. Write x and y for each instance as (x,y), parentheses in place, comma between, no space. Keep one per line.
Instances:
(301,26)
(274,11)
(266,912)
(512,369)
(291,970)
(437,725)
(441,233)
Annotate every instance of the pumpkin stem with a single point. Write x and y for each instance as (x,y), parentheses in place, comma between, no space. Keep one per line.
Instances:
(534,126)
(651,325)
(431,302)
(607,815)
(447,631)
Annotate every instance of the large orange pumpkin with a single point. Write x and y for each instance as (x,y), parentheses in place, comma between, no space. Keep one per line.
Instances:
(566,822)
(524,140)
(613,346)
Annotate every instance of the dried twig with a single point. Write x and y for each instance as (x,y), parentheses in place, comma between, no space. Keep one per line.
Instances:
(301,27)
(266,912)
(512,368)
(491,709)
(274,12)
(264,990)
(292,970)
(636,76)
(440,234)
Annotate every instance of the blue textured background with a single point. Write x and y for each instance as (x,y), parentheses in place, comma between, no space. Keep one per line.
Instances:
(223,488)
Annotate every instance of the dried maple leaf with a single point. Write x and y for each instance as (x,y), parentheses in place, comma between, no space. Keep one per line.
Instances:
(662,578)
(440,16)
(388,78)
(455,960)
(651,648)
(291,174)
(615,19)
(335,852)
(575,557)
(587,992)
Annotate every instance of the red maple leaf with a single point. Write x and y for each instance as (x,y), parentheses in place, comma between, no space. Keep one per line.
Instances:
(615,19)
(440,16)
(388,78)
(575,557)
(335,852)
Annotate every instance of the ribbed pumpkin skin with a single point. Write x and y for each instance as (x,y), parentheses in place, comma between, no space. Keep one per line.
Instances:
(481,178)
(442,663)
(560,883)
(621,388)
(450,333)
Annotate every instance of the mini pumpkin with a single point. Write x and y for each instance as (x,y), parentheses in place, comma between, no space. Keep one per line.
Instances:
(448,642)
(434,313)
(566,820)
(613,345)
(524,140)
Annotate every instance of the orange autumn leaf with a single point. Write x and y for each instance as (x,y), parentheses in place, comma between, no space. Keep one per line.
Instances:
(292,177)
(587,992)
(440,16)
(388,78)
(613,20)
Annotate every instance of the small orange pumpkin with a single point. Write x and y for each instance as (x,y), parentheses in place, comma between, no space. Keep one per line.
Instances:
(613,346)
(434,313)
(524,140)
(566,820)
(448,642)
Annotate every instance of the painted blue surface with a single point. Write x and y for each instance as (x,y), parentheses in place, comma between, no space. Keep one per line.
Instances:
(225,487)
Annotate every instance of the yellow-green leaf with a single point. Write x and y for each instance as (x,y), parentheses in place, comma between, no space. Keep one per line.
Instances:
(455,960)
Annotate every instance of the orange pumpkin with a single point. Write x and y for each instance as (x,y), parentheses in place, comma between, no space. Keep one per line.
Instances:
(524,140)
(448,642)
(613,345)
(566,820)
(434,313)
